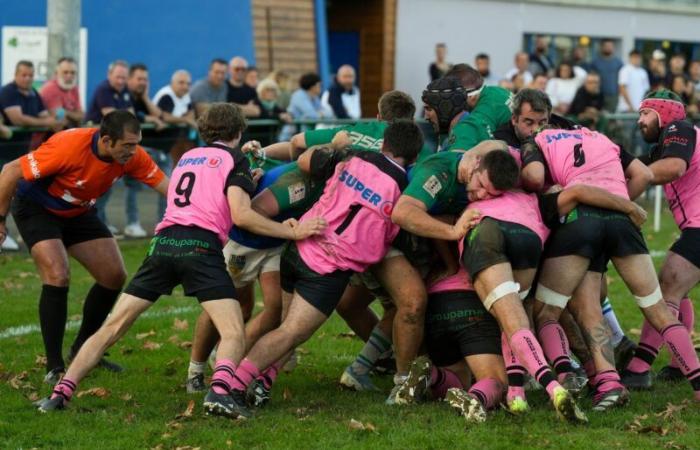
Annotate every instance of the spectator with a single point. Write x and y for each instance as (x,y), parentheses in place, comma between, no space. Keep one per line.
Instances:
(5,132)
(147,112)
(539,61)
(111,94)
(633,82)
(562,88)
(439,67)
(343,97)
(517,82)
(608,65)
(694,76)
(579,58)
(482,63)
(657,70)
(137,85)
(680,86)
(539,82)
(268,92)
(283,81)
(588,102)
(252,77)
(211,89)
(61,95)
(522,61)
(21,104)
(239,92)
(676,67)
(175,102)
(305,103)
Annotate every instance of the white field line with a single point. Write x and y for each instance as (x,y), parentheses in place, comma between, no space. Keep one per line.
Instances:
(24,330)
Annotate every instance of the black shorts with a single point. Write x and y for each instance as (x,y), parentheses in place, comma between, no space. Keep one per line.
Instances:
(688,245)
(457,325)
(496,241)
(597,234)
(35,224)
(323,292)
(190,256)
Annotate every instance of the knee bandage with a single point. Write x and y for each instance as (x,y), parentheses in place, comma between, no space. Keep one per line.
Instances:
(550,297)
(500,291)
(523,294)
(649,300)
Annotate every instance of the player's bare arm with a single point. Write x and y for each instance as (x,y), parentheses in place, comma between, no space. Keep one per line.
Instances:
(667,170)
(412,215)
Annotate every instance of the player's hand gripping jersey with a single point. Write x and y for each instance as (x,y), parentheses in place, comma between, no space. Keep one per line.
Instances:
(199,185)
(357,203)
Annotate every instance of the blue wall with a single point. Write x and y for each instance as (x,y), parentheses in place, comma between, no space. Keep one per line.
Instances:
(165,35)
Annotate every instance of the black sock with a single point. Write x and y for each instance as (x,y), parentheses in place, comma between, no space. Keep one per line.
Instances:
(53,311)
(98,304)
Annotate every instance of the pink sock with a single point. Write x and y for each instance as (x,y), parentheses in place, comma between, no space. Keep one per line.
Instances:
(64,388)
(555,346)
(648,347)
(441,380)
(269,376)
(681,347)
(607,381)
(222,379)
(246,372)
(515,371)
(489,392)
(525,345)
(686,315)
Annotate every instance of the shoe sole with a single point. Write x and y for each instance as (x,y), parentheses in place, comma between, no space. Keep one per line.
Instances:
(217,409)
(416,385)
(467,406)
(568,410)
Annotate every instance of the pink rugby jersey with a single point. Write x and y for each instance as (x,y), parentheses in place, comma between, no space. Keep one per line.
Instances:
(683,194)
(583,157)
(198,188)
(357,203)
(457,282)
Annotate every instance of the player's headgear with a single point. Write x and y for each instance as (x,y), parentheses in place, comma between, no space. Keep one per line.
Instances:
(666,104)
(447,97)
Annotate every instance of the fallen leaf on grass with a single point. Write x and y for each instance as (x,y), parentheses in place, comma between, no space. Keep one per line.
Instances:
(33,396)
(142,336)
(302,351)
(174,339)
(359,426)
(157,447)
(187,412)
(40,360)
(75,317)
(185,345)
(187,447)
(174,425)
(126,397)
(130,418)
(229,443)
(636,331)
(95,392)
(674,446)
(150,345)
(286,394)
(180,324)
(18,381)
(672,409)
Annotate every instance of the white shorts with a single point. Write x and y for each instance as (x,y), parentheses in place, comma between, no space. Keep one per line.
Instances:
(368,279)
(245,264)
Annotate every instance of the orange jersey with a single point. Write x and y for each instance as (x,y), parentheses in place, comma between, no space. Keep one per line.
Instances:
(66,176)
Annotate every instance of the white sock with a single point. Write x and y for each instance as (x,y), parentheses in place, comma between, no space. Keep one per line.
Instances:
(611,319)
(195,369)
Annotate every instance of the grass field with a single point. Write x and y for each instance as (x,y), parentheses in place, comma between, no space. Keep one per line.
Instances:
(147,407)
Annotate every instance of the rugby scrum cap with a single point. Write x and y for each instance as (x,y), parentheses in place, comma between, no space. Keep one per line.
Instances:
(666,104)
(447,97)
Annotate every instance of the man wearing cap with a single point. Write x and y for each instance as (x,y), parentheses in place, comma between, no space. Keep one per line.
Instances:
(674,160)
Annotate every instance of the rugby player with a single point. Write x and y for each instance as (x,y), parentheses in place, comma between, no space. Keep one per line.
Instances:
(210,192)
(674,160)
(316,271)
(576,257)
(57,186)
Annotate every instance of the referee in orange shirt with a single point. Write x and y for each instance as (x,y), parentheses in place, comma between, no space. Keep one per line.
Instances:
(56,187)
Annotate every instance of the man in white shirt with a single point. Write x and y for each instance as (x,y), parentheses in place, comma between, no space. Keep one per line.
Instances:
(343,97)
(634,83)
(522,62)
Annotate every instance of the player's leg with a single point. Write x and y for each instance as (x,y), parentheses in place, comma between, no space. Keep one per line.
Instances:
(486,393)
(405,286)
(355,311)
(585,307)
(126,311)
(624,346)
(51,260)
(271,315)
(637,271)
(109,279)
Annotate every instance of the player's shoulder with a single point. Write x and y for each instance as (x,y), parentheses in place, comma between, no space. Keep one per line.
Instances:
(74,139)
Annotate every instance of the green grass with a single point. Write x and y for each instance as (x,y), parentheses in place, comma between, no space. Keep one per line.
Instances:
(308,409)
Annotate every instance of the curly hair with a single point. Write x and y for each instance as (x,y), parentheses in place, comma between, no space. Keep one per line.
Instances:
(221,122)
